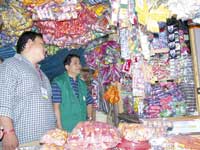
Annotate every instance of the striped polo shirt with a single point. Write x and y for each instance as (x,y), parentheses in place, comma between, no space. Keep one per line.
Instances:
(56,92)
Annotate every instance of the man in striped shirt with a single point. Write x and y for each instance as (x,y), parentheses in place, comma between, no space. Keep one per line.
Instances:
(71,98)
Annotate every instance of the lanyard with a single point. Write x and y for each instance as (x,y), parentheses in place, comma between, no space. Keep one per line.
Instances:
(39,72)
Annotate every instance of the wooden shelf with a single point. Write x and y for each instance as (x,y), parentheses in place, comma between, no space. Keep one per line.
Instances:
(181,118)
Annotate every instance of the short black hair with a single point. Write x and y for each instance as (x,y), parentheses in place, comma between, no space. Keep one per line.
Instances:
(23,39)
(69,57)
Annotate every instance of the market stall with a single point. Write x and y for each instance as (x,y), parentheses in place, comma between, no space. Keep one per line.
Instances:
(142,59)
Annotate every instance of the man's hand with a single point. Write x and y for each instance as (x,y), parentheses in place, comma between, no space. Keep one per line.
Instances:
(10,141)
(1,134)
(89,112)
(59,125)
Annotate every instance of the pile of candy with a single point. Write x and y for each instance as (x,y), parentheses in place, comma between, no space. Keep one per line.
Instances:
(93,135)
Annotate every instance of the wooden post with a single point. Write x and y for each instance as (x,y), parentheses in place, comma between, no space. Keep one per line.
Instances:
(195,49)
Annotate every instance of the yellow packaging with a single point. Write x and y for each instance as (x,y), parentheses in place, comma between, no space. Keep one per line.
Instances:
(160,14)
(35,2)
(99,9)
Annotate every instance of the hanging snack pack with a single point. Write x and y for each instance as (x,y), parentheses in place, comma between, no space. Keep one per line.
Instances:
(54,11)
(112,95)
(93,2)
(18,22)
(35,2)
(115,5)
(173,38)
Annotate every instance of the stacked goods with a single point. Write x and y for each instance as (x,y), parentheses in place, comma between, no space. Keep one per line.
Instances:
(132,145)
(134,136)
(70,24)
(54,139)
(106,59)
(135,132)
(182,142)
(166,100)
(13,25)
(92,136)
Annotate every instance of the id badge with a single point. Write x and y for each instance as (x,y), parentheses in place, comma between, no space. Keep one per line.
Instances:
(44,93)
(84,98)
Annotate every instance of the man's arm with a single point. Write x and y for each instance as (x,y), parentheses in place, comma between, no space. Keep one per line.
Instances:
(89,102)
(56,107)
(8,84)
(9,141)
(90,112)
(57,99)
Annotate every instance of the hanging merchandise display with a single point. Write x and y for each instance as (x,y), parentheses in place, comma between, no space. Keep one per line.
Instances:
(184,9)
(124,34)
(55,11)
(105,58)
(138,61)
(112,94)
(138,81)
(166,100)
(158,42)
(15,24)
(173,38)
(35,2)
(115,5)
(93,2)
(149,14)
(70,24)
(68,31)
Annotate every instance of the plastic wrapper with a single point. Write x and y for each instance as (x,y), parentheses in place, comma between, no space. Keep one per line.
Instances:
(93,135)
(110,73)
(124,35)
(54,11)
(70,32)
(159,43)
(52,49)
(166,100)
(182,142)
(73,27)
(18,22)
(51,147)
(7,40)
(106,58)
(29,148)
(95,93)
(93,2)
(161,70)
(130,145)
(35,2)
(184,9)
(138,76)
(99,9)
(56,137)
(135,132)
(115,7)
(101,25)
(1,23)
(112,94)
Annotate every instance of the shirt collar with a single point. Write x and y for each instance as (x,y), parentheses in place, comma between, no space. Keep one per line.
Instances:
(22,58)
(73,79)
